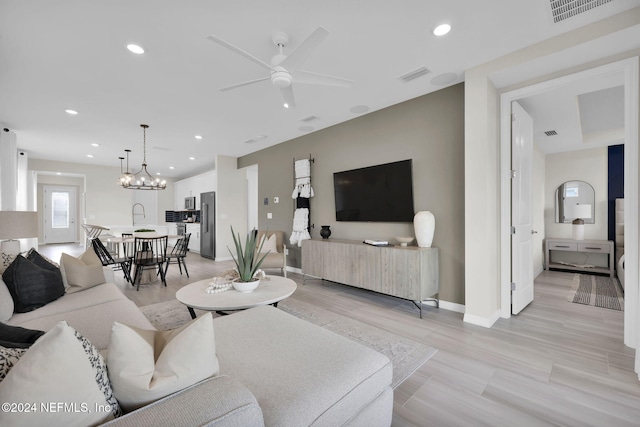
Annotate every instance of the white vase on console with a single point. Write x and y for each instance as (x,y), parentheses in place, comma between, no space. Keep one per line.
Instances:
(424,224)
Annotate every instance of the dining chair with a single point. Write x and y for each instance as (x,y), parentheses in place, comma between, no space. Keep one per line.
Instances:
(128,246)
(150,254)
(119,263)
(178,254)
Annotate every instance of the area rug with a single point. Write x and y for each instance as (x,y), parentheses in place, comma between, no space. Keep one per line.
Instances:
(597,291)
(406,355)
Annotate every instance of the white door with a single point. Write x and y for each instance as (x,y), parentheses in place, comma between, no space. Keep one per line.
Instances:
(60,214)
(521,208)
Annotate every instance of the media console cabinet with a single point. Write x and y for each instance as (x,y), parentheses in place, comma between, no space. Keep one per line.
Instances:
(407,272)
(583,246)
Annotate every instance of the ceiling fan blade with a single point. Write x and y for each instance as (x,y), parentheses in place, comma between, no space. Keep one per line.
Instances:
(287,94)
(300,54)
(224,89)
(309,78)
(239,51)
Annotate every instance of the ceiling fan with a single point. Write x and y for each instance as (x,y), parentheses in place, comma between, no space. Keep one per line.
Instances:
(284,69)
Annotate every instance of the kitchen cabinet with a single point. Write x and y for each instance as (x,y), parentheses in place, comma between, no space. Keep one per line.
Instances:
(194,241)
(192,187)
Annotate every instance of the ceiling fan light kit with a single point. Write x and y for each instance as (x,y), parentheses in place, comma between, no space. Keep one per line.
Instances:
(141,180)
(285,69)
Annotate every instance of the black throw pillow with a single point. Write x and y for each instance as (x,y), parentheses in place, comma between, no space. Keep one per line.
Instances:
(41,261)
(17,337)
(31,286)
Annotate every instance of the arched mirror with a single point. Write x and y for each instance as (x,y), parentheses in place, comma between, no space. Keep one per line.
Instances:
(575,199)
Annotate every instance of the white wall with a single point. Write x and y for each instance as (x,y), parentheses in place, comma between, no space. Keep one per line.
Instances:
(483,240)
(231,204)
(584,165)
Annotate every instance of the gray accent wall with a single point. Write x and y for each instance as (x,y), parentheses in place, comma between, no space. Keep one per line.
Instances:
(428,129)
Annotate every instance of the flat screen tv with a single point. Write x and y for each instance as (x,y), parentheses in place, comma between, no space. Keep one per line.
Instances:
(381,193)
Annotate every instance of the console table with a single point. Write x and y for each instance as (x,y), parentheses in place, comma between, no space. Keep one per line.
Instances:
(407,272)
(584,246)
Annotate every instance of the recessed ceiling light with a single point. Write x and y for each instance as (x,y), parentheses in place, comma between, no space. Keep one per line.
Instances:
(441,30)
(135,49)
(286,105)
(258,137)
(192,158)
(249,141)
(89,155)
(72,112)
(95,144)
(58,173)
(157,173)
(198,136)
(359,109)
(171,167)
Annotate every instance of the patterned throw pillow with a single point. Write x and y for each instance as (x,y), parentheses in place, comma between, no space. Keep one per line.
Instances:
(62,366)
(8,358)
(5,261)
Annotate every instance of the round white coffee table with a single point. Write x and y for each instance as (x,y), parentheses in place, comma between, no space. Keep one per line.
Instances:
(268,292)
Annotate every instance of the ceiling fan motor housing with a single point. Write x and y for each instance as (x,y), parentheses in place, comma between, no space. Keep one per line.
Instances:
(281,77)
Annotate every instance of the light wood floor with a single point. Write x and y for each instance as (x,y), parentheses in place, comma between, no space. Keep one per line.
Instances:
(557,363)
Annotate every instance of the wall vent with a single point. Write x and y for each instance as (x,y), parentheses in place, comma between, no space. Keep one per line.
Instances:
(308,118)
(551,133)
(418,72)
(565,9)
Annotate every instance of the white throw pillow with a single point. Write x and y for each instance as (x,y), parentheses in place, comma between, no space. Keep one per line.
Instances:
(6,302)
(77,275)
(63,380)
(269,245)
(145,366)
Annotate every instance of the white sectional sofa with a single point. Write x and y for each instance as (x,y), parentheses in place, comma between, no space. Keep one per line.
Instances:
(276,369)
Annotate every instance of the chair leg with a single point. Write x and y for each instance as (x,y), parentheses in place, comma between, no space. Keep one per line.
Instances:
(166,267)
(179,265)
(125,270)
(137,278)
(184,263)
(161,271)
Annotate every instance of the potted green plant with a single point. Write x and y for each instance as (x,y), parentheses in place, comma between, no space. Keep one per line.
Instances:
(248,260)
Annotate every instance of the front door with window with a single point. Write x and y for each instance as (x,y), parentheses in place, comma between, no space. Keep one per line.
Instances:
(59,214)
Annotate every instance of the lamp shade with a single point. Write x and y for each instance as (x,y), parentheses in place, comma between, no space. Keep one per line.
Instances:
(581,211)
(18,224)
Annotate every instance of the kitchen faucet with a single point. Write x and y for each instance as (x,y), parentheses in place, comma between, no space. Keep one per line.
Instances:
(133,213)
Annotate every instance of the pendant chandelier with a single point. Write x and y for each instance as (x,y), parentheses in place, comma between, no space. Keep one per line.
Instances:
(141,180)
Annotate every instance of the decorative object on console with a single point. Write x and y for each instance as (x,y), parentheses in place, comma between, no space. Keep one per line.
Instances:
(325,231)
(16,225)
(424,224)
(248,260)
(141,180)
(404,240)
(580,213)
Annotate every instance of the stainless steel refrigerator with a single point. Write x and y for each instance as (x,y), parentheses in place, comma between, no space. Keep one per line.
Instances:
(208,224)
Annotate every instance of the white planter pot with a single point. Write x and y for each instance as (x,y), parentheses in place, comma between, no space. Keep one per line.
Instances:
(245,287)
(424,224)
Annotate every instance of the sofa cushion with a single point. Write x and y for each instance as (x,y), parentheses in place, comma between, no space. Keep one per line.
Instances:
(63,367)
(6,302)
(273,356)
(41,261)
(146,365)
(78,275)
(32,284)
(18,337)
(94,322)
(8,358)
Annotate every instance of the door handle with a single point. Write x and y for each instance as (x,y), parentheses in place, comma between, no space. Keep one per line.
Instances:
(534,231)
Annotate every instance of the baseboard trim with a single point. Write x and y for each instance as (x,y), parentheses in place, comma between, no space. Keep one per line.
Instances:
(294,270)
(446,305)
(228,258)
(486,322)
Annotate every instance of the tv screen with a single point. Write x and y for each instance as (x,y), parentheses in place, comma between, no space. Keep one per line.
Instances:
(382,193)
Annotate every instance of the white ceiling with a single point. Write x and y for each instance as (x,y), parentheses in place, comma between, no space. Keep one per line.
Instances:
(70,54)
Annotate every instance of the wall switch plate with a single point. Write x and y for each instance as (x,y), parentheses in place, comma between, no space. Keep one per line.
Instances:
(286,251)
(266,201)
(269,215)
(276,200)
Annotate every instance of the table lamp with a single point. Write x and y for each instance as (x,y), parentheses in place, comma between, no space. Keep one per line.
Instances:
(16,225)
(580,213)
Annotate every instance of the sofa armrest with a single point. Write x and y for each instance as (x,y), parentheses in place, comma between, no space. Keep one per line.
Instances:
(218,401)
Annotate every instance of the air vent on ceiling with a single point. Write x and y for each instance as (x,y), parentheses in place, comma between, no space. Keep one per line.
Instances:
(565,9)
(551,133)
(155,147)
(308,118)
(418,72)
